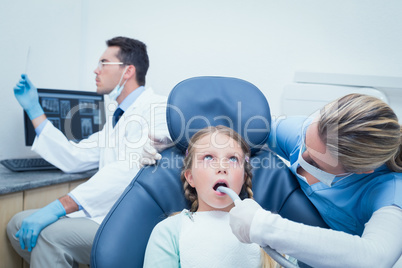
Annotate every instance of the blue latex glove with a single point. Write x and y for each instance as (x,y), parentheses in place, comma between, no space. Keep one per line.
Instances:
(27,95)
(32,225)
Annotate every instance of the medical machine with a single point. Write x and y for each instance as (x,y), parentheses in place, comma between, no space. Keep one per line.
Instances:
(77,114)
(310,91)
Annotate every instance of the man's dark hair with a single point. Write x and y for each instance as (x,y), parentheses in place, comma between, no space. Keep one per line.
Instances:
(132,52)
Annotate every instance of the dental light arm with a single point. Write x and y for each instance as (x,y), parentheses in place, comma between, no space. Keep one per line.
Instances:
(273,253)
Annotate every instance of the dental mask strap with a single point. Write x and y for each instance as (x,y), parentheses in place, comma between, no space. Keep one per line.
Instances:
(324,177)
(118,89)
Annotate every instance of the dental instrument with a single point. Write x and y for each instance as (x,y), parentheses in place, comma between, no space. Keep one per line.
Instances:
(27,60)
(229,192)
(271,252)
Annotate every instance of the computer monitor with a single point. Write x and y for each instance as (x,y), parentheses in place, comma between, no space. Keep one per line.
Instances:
(78,114)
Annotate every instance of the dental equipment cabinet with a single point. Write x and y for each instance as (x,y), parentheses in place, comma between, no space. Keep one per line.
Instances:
(28,190)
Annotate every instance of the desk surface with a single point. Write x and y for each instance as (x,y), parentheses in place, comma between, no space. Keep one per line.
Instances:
(11,182)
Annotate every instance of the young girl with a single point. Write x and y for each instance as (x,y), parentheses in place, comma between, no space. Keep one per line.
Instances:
(201,237)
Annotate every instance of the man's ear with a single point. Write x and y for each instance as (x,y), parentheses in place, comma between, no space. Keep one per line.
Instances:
(130,72)
(189,177)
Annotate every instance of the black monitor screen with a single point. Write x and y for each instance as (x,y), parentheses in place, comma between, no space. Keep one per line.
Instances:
(77,114)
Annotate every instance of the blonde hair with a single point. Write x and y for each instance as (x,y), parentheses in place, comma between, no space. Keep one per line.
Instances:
(189,192)
(266,260)
(363,132)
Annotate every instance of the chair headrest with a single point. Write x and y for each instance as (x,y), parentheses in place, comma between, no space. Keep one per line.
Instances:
(199,102)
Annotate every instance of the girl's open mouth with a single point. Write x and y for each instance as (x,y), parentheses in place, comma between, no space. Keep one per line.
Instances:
(219,184)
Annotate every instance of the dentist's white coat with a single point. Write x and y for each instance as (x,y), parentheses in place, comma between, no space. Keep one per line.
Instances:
(115,151)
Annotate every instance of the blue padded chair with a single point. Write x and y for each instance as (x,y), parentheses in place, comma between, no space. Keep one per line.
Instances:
(156,191)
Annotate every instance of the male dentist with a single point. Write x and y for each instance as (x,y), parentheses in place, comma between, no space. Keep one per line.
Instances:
(61,233)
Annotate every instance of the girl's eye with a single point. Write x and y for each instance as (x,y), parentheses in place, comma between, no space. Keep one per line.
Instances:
(233,159)
(208,157)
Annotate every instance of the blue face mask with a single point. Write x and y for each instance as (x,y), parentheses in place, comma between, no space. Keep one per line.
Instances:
(325,177)
(118,89)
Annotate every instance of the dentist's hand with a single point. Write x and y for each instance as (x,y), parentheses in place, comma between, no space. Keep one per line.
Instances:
(153,147)
(241,217)
(27,95)
(34,224)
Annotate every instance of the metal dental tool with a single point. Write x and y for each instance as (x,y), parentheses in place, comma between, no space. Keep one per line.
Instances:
(27,60)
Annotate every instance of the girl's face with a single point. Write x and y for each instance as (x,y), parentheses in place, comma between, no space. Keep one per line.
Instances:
(217,160)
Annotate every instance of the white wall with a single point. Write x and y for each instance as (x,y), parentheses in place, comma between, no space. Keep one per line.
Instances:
(52,30)
(262,41)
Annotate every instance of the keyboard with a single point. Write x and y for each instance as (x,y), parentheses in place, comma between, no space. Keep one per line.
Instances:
(27,164)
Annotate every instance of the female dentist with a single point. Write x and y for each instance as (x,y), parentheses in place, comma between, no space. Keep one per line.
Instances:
(348,161)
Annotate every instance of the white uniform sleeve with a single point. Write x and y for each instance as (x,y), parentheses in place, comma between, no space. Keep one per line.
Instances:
(98,195)
(163,245)
(379,246)
(70,157)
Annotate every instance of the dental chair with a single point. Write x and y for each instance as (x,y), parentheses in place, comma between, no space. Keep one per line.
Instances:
(157,191)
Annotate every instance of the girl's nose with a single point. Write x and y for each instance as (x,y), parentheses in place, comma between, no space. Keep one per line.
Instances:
(222,171)
(223,165)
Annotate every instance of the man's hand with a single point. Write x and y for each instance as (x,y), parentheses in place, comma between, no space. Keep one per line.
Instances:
(153,147)
(27,95)
(241,217)
(34,224)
